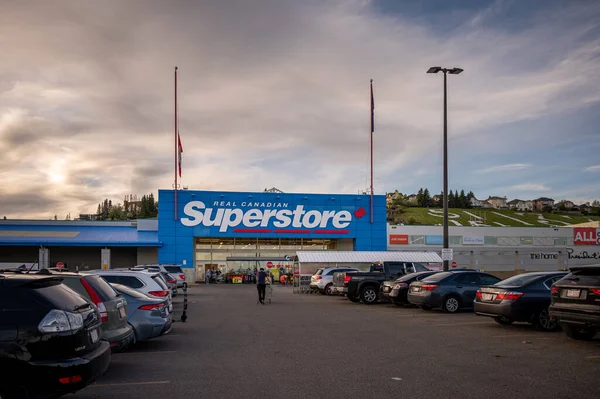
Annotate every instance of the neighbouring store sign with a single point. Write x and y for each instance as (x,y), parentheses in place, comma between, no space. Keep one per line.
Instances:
(434,240)
(248,218)
(586,236)
(473,240)
(543,256)
(399,239)
(576,253)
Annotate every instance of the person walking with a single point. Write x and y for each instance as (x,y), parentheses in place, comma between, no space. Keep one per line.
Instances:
(261,285)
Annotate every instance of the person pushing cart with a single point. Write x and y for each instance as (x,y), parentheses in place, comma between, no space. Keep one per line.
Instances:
(264,292)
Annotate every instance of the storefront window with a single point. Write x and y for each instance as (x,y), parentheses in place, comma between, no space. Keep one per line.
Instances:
(203,256)
(245,244)
(204,243)
(331,244)
(224,243)
(291,244)
(268,244)
(312,244)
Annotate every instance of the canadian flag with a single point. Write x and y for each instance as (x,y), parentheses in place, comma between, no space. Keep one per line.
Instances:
(180,148)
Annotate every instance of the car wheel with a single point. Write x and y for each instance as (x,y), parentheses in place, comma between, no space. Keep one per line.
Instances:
(353,299)
(328,289)
(577,332)
(451,304)
(505,321)
(543,321)
(368,295)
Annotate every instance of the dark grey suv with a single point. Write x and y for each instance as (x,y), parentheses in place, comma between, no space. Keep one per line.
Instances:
(451,290)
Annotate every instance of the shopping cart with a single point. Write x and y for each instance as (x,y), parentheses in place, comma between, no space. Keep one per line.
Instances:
(268,293)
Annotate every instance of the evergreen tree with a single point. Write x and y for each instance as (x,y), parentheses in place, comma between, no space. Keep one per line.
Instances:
(420,197)
(426,199)
(440,203)
(99,211)
(451,201)
(462,200)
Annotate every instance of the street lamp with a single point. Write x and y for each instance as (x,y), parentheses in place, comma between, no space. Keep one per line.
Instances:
(451,71)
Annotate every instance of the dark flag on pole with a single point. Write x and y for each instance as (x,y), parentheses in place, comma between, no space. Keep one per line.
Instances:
(372,131)
(180,150)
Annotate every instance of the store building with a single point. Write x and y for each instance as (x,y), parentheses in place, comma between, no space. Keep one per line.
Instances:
(241,230)
(78,244)
(504,251)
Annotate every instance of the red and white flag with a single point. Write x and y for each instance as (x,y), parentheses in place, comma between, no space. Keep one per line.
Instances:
(180,147)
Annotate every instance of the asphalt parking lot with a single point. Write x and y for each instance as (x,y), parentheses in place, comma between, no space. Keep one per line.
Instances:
(327,347)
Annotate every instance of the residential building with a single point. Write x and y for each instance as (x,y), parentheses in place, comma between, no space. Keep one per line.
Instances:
(497,202)
(412,198)
(568,205)
(542,202)
(520,205)
(476,203)
(436,198)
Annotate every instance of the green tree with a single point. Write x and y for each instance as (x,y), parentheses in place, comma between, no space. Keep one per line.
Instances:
(470,196)
(116,212)
(420,197)
(426,199)
(462,200)
(451,200)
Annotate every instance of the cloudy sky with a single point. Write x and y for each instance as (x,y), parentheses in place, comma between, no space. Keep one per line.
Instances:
(276,93)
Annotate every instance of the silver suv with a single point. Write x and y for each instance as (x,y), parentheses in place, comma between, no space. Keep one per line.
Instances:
(322,280)
(175,270)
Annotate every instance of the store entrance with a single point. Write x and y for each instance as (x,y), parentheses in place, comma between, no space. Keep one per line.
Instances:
(242,270)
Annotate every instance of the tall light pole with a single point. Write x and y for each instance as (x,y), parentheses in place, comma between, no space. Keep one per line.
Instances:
(452,71)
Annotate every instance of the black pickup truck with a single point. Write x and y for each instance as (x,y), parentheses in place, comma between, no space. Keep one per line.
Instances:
(364,286)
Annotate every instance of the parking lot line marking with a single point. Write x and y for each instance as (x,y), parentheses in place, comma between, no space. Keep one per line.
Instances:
(592,357)
(142,352)
(462,324)
(131,384)
(511,335)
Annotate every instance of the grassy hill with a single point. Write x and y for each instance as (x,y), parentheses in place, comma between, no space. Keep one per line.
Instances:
(489,217)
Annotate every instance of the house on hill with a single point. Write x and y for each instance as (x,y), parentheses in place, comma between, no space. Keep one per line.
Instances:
(497,202)
(476,203)
(564,204)
(542,202)
(520,205)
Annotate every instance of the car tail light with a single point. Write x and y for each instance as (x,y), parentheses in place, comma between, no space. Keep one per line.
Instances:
(163,293)
(595,290)
(182,276)
(347,278)
(154,306)
(70,380)
(172,281)
(318,277)
(554,289)
(429,287)
(60,321)
(509,296)
(96,300)
(400,285)
(478,295)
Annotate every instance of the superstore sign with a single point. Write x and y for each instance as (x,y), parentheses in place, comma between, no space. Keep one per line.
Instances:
(248,217)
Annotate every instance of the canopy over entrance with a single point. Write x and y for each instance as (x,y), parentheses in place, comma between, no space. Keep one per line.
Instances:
(367,256)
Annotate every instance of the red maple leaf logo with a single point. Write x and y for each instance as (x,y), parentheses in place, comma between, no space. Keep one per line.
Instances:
(359,213)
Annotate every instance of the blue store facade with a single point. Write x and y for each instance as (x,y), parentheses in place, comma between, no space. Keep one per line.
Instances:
(241,230)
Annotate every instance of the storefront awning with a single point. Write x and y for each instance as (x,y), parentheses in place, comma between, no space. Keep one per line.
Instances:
(366,257)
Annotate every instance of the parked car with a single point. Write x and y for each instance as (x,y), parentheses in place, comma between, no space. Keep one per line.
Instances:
(175,270)
(452,290)
(50,338)
(322,280)
(576,302)
(524,297)
(112,307)
(145,281)
(169,280)
(148,316)
(396,291)
(365,286)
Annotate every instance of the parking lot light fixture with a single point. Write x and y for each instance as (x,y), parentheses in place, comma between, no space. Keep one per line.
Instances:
(446,71)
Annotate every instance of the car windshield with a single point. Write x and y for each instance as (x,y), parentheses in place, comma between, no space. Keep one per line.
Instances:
(519,280)
(123,289)
(160,281)
(437,277)
(102,288)
(173,269)
(585,275)
(418,276)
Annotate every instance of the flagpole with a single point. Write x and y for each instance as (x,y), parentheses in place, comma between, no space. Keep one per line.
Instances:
(372,130)
(176,144)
